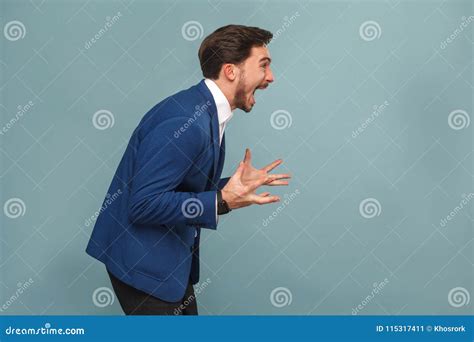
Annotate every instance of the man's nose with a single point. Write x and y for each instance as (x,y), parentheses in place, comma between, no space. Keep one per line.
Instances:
(269,76)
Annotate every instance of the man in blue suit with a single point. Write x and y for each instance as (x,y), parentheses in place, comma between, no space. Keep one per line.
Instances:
(168,186)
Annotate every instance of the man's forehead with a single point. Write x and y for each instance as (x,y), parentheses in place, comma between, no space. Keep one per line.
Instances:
(261,53)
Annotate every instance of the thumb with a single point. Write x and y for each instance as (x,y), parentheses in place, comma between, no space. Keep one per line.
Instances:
(247,156)
(240,169)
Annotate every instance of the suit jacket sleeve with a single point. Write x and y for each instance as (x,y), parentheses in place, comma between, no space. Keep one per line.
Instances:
(162,161)
(222,182)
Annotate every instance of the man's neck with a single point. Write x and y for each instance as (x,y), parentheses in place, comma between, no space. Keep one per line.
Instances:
(227,91)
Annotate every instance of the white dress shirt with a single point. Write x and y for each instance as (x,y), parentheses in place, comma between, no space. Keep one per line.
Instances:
(224,112)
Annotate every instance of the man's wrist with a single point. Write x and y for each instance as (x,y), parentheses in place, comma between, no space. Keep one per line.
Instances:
(222,205)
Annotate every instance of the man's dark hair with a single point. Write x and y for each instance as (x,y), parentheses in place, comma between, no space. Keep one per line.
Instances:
(229,44)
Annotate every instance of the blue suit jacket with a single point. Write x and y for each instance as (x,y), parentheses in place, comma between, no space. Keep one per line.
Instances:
(164,190)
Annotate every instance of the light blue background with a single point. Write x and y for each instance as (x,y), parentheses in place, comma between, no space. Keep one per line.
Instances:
(319,247)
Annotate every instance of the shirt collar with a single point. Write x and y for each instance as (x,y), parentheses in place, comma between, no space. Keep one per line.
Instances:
(224,112)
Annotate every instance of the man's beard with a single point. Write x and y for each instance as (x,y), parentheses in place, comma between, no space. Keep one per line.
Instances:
(240,98)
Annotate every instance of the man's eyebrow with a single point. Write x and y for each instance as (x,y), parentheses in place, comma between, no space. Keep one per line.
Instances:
(266,58)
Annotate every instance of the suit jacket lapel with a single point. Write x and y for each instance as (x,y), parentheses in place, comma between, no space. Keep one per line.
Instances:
(220,163)
(214,137)
(214,130)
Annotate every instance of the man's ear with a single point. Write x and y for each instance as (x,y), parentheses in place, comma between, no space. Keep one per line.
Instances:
(229,71)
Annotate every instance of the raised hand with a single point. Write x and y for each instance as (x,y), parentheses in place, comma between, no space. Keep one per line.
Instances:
(250,174)
(240,190)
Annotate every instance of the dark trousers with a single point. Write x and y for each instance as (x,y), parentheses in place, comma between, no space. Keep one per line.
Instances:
(137,302)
